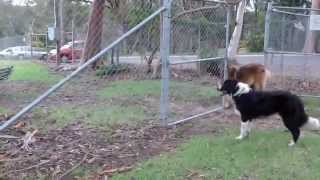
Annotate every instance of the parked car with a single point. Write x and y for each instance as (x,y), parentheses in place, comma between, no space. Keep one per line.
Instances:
(8,52)
(69,51)
(24,52)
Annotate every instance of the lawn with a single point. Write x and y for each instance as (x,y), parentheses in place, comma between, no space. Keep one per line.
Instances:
(122,102)
(102,104)
(179,90)
(312,106)
(117,102)
(264,155)
(26,70)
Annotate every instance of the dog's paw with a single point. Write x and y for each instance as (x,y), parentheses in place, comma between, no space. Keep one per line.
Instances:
(291,143)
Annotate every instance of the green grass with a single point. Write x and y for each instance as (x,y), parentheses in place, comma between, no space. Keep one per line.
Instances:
(312,106)
(102,116)
(183,91)
(29,71)
(264,155)
(4,110)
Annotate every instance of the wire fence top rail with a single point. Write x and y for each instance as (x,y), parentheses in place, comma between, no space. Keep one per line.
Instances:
(295,8)
(196,60)
(291,53)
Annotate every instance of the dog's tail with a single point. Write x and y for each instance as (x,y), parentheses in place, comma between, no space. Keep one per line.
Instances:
(312,124)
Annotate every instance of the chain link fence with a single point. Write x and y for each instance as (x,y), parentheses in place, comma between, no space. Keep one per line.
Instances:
(122,42)
(292,52)
(198,41)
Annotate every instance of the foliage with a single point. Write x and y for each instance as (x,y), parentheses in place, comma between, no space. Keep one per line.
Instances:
(206,52)
(112,69)
(293,3)
(254,38)
(256,42)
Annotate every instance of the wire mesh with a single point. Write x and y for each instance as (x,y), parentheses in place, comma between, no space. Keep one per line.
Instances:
(292,53)
(197,59)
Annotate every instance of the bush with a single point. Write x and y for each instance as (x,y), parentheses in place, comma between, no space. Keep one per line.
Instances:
(111,70)
(255,42)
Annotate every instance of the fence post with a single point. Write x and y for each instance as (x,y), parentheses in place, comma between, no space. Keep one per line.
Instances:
(266,32)
(164,56)
(225,67)
(227,26)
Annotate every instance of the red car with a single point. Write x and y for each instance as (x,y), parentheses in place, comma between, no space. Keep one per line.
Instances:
(68,52)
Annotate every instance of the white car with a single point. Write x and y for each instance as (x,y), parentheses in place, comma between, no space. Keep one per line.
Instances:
(24,52)
(9,52)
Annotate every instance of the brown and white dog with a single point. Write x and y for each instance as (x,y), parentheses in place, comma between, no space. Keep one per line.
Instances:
(254,74)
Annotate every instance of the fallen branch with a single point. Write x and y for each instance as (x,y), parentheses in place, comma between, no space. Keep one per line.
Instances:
(27,139)
(8,137)
(116,170)
(25,169)
(74,167)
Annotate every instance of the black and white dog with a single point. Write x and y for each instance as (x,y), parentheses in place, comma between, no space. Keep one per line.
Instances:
(253,104)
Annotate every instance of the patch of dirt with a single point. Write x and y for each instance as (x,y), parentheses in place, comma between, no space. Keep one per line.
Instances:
(57,151)
(297,85)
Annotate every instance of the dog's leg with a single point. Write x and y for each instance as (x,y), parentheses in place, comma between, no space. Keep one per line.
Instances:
(295,135)
(227,101)
(244,130)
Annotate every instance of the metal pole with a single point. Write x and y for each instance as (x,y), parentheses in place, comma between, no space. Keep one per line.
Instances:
(118,55)
(31,39)
(195,116)
(197,60)
(164,54)
(47,50)
(267,31)
(225,68)
(61,25)
(283,26)
(227,26)
(72,34)
(82,67)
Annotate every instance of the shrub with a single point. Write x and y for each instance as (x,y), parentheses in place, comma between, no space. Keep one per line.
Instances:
(255,42)
(111,70)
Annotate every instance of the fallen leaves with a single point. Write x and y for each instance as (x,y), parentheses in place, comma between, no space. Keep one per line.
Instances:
(20,125)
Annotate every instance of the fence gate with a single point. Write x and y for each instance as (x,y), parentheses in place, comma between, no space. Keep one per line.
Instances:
(196,63)
(292,52)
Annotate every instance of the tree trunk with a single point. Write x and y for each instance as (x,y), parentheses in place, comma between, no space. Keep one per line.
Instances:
(236,35)
(94,34)
(310,42)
